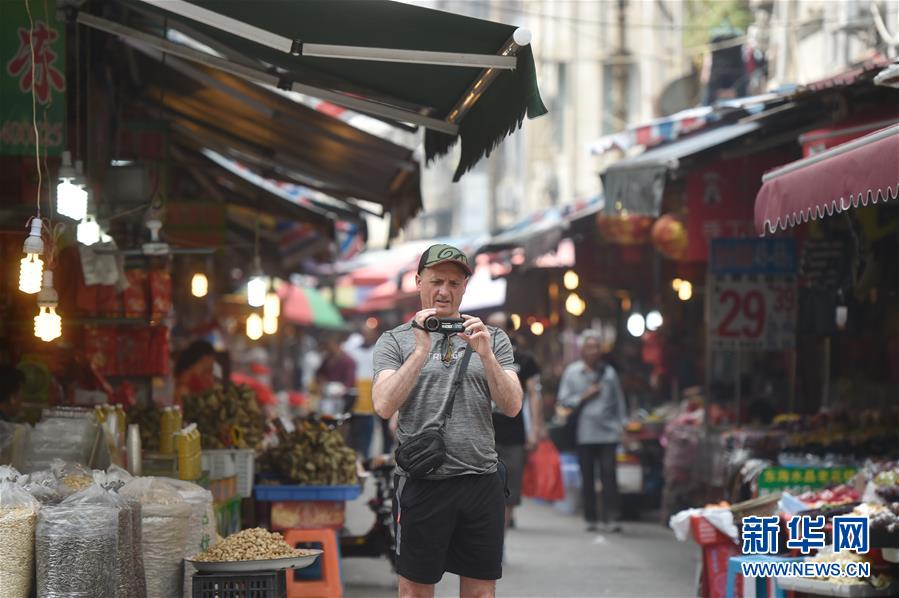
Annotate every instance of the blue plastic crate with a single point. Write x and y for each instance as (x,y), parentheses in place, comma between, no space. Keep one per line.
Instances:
(277,492)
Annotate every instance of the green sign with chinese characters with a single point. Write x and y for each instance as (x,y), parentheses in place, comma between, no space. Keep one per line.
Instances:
(32,58)
(774,479)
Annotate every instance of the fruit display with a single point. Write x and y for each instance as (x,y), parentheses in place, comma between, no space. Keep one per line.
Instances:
(226,417)
(839,495)
(886,485)
(314,455)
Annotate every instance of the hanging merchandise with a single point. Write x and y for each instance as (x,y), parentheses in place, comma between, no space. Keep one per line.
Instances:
(32,266)
(71,197)
(47,323)
(669,237)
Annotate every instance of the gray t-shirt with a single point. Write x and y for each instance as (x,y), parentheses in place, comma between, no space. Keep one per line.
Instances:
(469,432)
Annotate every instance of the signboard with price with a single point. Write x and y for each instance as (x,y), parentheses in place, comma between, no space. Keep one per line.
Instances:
(752,294)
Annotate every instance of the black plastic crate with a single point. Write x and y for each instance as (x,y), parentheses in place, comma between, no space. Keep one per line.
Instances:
(262,584)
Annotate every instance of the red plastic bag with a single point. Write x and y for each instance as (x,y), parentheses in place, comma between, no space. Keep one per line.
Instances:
(543,473)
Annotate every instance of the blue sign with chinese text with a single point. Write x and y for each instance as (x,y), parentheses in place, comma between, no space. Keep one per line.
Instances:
(753,256)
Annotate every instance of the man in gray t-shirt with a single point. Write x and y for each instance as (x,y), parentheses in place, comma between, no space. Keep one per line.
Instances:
(453,520)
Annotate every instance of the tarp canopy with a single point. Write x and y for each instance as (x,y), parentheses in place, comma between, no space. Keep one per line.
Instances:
(480,105)
(860,172)
(212,110)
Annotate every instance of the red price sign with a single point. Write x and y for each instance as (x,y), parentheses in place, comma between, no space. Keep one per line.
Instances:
(757,312)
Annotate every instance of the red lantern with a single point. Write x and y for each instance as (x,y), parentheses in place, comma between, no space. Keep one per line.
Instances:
(624,230)
(669,237)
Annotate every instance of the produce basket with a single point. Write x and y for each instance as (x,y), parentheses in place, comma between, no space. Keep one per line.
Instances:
(262,584)
(277,492)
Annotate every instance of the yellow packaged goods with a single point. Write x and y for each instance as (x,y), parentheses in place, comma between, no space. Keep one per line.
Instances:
(256,544)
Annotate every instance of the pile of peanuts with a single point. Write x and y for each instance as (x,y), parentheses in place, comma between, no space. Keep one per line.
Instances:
(256,544)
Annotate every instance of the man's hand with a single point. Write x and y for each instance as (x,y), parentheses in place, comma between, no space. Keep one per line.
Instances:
(422,336)
(476,335)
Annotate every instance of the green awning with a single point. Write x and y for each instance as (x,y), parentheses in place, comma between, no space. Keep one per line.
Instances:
(431,92)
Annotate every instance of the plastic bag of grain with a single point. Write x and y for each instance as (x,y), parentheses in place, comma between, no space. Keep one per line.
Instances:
(18,517)
(165,523)
(201,534)
(75,548)
(43,486)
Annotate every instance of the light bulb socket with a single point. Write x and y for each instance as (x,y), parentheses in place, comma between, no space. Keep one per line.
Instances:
(33,242)
(66,171)
(48,297)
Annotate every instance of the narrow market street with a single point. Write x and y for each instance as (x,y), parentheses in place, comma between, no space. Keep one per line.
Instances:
(549,554)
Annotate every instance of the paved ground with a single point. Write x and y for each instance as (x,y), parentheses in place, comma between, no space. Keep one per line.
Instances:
(550,555)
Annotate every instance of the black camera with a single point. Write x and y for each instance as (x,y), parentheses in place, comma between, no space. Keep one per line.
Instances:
(444,325)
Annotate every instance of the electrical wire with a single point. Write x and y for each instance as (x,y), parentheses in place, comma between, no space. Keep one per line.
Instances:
(37,136)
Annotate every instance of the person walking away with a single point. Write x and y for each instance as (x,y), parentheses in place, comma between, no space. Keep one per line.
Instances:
(363,422)
(452,518)
(512,437)
(593,386)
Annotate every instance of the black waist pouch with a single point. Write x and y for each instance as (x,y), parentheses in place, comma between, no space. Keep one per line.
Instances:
(424,453)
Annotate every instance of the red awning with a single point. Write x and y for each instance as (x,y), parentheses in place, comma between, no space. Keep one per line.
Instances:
(863,171)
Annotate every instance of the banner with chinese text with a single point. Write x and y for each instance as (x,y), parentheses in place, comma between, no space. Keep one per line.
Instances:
(802,479)
(32,58)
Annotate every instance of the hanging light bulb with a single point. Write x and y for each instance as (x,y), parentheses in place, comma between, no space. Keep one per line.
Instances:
(537,328)
(654,320)
(254,327)
(269,324)
(516,321)
(570,279)
(256,288)
(636,325)
(272,306)
(575,305)
(32,266)
(88,231)
(199,285)
(71,198)
(685,290)
(47,323)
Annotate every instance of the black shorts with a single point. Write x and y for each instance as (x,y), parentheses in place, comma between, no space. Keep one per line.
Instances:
(453,525)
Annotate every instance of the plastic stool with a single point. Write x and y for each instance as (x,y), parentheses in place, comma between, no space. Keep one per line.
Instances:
(330,585)
(734,568)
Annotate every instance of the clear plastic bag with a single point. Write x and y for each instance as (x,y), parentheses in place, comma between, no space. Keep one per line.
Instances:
(18,517)
(9,473)
(125,562)
(74,547)
(43,486)
(201,533)
(165,522)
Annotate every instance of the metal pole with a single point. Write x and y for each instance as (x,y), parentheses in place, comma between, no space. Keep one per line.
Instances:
(738,391)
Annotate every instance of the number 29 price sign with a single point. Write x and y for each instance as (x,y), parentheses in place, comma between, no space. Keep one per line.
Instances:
(752,295)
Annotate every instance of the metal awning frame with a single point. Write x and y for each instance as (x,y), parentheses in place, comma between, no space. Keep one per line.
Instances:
(297,47)
(256,76)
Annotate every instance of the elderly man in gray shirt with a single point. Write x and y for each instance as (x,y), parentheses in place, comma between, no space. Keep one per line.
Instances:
(593,385)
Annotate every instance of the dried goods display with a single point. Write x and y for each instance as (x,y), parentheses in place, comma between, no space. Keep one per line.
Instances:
(226,417)
(18,516)
(313,454)
(74,548)
(256,544)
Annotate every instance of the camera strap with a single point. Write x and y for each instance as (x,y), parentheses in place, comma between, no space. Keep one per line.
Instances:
(457,382)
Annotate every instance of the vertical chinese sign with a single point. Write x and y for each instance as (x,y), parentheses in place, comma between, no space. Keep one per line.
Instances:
(32,59)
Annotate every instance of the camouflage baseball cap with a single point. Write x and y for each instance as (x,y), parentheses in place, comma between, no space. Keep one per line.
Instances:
(440,253)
